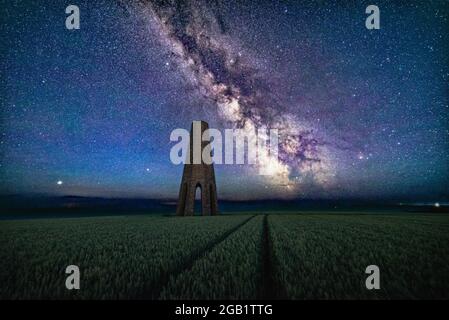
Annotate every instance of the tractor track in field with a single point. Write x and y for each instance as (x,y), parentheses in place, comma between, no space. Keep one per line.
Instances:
(267,289)
(188,264)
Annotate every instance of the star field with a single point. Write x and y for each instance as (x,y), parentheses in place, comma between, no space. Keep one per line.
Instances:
(90,111)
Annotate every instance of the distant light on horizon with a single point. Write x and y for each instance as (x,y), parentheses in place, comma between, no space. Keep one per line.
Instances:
(59,182)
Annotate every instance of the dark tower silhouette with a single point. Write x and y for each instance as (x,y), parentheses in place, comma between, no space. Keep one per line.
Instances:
(197,174)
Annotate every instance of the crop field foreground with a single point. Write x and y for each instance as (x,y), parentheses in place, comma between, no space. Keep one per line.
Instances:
(279,256)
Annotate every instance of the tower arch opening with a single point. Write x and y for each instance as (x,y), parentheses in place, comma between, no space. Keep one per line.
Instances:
(198,208)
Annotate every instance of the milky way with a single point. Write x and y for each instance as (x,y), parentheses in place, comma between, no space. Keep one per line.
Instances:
(222,71)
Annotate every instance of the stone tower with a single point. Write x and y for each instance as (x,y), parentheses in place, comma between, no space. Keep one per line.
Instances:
(197,174)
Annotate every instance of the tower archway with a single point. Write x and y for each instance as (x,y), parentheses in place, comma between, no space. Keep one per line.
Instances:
(198,208)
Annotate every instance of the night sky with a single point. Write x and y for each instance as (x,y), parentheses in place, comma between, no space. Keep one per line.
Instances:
(89,112)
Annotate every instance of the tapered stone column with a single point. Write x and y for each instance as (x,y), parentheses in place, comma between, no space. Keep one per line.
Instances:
(197,174)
